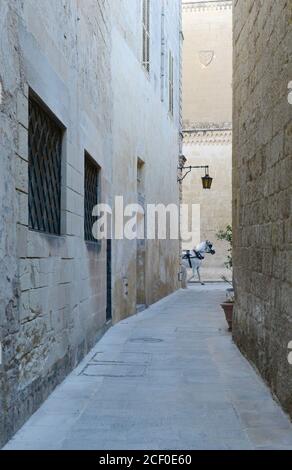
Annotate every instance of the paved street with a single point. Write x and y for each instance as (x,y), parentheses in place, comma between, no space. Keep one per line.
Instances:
(168,378)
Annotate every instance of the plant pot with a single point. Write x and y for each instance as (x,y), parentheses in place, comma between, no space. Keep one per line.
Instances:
(228,310)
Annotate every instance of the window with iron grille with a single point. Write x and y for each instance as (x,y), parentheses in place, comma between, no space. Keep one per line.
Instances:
(44,169)
(146,34)
(170,83)
(91,196)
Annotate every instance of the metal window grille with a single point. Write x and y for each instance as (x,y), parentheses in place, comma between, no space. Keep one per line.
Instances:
(91,177)
(146,35)
(170,83)
(44,170)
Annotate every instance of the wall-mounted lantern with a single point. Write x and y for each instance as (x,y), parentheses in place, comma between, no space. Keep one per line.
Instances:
(206,180)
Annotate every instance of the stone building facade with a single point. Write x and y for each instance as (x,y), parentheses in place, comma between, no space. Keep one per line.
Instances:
(262,189)
(146,146)
(207,116)
(79,95)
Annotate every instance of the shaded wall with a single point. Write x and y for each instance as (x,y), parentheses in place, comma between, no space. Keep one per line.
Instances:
(53,288)
(262,192)
(145,131)
(80,58)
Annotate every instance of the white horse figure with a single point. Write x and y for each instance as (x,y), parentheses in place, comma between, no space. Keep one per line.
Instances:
(193,258)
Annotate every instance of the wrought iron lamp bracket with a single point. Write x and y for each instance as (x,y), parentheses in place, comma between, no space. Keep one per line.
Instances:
(189,169)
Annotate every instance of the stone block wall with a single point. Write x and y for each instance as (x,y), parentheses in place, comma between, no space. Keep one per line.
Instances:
(53,288)
(207,116)
(145,131)
(79,57)
(213,148)
(262,188)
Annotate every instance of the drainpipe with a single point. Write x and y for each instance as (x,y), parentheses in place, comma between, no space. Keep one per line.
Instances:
(163,44)
(180,137)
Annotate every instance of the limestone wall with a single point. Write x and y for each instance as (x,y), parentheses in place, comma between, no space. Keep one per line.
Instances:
(145,130)
(53,288)
(213,149)
(83,60)
(262,175)
(207,116)
(207,63)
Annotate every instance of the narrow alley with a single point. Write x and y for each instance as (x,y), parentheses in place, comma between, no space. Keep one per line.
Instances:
(167,378)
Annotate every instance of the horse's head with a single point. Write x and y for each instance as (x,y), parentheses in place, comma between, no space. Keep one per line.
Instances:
(209,248)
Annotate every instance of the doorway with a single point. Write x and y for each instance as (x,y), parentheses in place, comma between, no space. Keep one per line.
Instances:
(141,242)
(109,281)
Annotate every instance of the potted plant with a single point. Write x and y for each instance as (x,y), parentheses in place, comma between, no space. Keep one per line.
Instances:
(228,305)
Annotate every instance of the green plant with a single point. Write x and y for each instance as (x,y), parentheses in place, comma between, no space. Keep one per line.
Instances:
(227,236)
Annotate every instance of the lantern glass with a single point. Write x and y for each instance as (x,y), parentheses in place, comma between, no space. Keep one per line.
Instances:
(207,182)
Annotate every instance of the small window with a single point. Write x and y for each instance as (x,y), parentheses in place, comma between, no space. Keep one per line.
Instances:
(146,34)
(91,196)
(44,169)
(170,83)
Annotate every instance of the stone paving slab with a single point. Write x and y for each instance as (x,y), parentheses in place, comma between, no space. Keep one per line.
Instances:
(167,378)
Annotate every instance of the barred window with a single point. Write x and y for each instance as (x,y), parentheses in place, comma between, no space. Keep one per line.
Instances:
(44,169)
(170,83)
(146,35)
(91,191)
